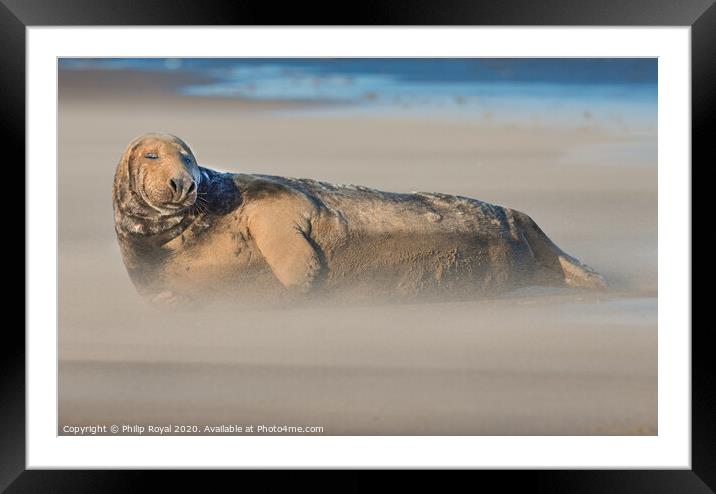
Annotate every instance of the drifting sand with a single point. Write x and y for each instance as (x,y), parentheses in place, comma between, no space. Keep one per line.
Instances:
(541,361)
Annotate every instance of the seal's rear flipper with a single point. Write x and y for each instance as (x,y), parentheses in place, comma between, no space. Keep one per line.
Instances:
(580,275)
(568,269)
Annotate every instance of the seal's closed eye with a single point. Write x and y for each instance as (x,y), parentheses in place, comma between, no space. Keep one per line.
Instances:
(151,156)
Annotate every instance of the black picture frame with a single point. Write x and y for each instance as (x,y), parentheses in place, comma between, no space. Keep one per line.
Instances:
(700,15)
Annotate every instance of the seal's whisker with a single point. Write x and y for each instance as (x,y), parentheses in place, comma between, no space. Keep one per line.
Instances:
(201,205)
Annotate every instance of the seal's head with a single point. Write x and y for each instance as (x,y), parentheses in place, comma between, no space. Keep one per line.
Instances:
(162,171)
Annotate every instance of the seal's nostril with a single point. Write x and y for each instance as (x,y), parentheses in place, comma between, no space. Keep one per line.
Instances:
(173,184)
(191,188)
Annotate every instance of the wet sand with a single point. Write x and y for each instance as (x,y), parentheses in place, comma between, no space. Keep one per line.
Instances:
(539,361)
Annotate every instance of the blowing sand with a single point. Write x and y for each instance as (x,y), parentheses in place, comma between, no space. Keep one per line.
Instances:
(540,361)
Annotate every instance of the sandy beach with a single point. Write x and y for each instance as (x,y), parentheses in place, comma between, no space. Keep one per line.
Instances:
(536,362)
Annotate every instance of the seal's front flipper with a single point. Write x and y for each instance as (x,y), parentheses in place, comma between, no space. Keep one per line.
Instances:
(286,249)
(168,299)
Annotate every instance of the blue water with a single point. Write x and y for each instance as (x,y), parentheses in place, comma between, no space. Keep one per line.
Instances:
(621,92)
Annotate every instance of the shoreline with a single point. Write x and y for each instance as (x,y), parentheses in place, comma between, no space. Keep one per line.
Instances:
(158,88)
